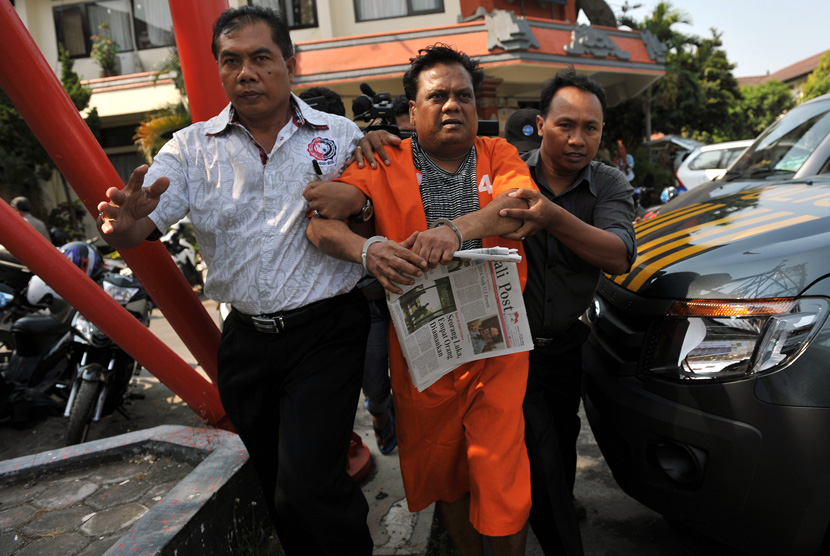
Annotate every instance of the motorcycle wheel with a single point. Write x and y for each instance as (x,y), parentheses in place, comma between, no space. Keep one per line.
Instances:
(80,416)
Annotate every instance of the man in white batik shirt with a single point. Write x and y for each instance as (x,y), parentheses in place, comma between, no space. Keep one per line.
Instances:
(291,356)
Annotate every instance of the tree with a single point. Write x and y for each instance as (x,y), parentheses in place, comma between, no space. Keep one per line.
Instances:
(152,133)
(759,106)
(698,92)
(720,88)
(818,82)
(23,161)
(678,85)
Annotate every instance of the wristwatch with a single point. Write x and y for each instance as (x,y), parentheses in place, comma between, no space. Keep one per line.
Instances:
(365,213)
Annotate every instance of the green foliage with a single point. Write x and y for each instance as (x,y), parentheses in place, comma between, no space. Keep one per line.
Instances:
(662,23)
(759,107)
(152,133)
(104,48)
(65,217)
(650,173)
(20,151)
(625,121)
(818,82)
(698,92)
(79,94)
(171,64)
(22,158)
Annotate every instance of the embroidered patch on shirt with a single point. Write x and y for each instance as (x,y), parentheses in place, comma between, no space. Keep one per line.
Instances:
(323,149)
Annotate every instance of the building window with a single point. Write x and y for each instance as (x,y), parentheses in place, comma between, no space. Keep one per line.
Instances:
(368,10)
(299,14)
(153,24)
(134,24)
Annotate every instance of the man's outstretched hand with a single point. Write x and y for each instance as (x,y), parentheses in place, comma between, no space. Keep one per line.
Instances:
(129,205)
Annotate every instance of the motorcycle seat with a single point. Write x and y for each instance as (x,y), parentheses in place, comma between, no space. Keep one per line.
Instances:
(38,325)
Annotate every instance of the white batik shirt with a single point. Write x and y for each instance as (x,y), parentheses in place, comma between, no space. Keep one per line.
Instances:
(247,208)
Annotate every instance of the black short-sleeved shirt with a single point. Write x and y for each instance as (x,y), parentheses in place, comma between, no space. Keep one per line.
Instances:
(560,285)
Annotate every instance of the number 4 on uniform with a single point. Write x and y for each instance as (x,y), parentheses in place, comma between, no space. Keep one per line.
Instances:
(485,185)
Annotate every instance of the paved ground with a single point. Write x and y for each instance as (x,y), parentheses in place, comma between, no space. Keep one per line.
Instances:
(615,524)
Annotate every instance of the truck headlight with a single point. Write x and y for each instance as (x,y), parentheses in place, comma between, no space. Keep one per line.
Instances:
(720,340)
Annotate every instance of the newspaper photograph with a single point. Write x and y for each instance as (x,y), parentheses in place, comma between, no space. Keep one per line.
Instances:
(470,309)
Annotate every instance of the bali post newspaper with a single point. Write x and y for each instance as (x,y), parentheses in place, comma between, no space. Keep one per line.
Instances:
(469,309)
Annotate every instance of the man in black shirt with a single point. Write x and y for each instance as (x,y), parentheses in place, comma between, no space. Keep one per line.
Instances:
(584,210)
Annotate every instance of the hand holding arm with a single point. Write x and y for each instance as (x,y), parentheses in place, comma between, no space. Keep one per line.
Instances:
(334,200)
(438,244)
(373,144)
(388,261)
(595,246)
(123,220)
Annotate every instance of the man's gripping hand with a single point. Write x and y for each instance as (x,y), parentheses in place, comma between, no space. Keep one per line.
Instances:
(131,205)
(372,144)
(394,263)
(540,214)
(333,200)
(436,245)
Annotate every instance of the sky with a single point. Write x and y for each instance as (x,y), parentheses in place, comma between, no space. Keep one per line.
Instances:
(759,36)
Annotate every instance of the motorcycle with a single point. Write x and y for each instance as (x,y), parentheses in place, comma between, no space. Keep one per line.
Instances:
(183,252)
(35,369)
(102,371)
(14,279)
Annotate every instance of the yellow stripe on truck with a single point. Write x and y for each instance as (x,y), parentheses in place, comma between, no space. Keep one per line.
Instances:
(650,226)
(651,249)
(636,279)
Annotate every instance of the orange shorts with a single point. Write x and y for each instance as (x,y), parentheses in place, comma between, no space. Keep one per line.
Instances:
(465,433)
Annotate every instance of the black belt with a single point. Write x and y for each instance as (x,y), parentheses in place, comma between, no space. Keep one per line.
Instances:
(276,323)
(543,342)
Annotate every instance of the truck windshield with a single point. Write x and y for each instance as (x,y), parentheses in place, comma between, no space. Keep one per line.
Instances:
(785,145)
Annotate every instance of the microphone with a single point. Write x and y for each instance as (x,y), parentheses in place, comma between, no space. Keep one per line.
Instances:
(367,90)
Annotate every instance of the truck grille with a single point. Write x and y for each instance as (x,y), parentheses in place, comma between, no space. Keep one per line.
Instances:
(621,322)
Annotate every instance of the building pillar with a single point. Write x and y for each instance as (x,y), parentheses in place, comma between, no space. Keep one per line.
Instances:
(487,103)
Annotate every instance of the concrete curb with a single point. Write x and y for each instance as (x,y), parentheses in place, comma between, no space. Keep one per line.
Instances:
(218,492)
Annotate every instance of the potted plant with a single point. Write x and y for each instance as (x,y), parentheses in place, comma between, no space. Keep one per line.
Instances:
(105,51)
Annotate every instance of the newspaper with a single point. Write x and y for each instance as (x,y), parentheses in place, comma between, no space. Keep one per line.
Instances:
(470,309)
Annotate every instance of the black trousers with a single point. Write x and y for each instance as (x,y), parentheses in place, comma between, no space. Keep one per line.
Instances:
(292,398)
(552,423)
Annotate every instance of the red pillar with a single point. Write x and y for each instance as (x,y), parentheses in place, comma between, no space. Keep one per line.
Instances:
(193,23)
(31,85)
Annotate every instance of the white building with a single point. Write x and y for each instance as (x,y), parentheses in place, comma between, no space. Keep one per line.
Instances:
(343,43)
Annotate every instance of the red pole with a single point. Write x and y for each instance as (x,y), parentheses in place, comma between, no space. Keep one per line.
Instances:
(32,85)
(86,296)
(193,23)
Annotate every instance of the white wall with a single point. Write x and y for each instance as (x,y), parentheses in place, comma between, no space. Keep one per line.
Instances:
(337,19)
(39,20)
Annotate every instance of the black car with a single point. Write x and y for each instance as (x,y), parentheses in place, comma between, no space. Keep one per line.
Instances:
(708,367)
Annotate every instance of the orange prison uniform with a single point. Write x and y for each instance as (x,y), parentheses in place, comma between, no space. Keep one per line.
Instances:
(465,433)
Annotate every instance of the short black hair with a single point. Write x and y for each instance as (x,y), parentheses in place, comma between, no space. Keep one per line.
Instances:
(569,78)
(439,53)
(22,204)
(333,100)
(236,18)
(400,105)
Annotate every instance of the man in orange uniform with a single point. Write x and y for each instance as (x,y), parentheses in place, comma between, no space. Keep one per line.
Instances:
(461,440)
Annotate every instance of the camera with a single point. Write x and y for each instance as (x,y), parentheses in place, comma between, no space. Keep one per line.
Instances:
(378,109)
